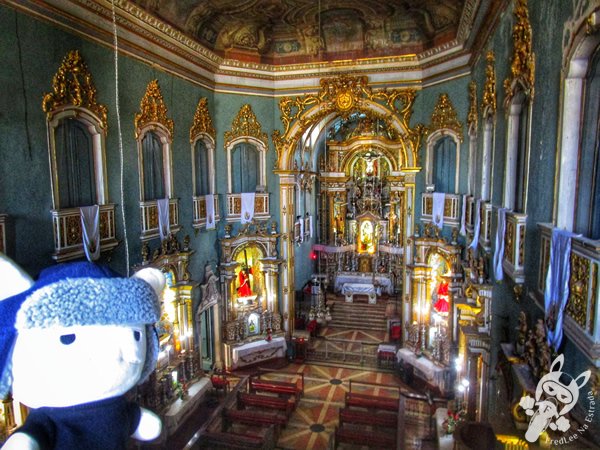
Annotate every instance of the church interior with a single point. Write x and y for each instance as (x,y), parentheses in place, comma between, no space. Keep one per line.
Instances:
(379,221)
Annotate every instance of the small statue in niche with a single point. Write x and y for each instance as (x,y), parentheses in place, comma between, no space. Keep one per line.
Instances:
(521,334)
(481,270)
(186,243)
(454,236)
(145,253)
(276,322)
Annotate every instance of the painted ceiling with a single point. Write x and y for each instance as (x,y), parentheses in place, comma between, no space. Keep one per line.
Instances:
(283,32)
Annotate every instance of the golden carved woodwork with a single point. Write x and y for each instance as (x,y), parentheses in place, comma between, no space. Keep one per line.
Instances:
(444,116)
(345,95)
(521,245)
(472,120)
(202,121)
(522,69)
(153,109)
(577,306)
(509,238)
(488,103)
(246,124)
(72,85)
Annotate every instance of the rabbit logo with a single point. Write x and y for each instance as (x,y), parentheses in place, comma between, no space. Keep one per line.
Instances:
(555,395)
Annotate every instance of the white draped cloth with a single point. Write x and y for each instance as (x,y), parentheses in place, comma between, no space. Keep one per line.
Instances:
(247,207)
(499,251)
(90,226)
(164,223)
(556,293)
(463,216)
(210,211)
(310,226)
(475,241)
(437,211)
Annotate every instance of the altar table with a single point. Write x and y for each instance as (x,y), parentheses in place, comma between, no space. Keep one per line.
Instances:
(258,351)
(383,282)
(425,369)
(351,289)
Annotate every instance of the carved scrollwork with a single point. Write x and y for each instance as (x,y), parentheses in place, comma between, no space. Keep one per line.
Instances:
(472,118)
(246,124)
(153,109)
(444,116)
(344,95)
(488,103)
(72,85)
(202,121)
(522,69)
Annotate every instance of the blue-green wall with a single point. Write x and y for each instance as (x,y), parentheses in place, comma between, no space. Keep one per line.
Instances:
(32,51)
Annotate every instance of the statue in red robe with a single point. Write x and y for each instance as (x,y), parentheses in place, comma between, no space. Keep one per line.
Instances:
(244,289)
(442,302)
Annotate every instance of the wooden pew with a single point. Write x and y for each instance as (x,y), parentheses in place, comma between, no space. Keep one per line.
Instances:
(215,440)
(254,418)
(266,401)
(372,439)
(278,387)
(357,416)
(371,401)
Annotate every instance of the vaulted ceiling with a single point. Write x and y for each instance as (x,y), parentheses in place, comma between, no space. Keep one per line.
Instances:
(282,32)
(285,46)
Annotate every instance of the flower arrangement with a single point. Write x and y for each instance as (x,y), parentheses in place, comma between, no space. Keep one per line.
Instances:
(453,419)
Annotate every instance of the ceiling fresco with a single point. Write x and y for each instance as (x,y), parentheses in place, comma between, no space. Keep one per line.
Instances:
(296,31)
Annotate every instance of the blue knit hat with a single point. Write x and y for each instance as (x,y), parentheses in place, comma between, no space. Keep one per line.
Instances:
(78,293)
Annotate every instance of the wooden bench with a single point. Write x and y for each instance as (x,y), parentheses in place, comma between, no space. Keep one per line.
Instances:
(218,440)
(371,401)
(266,401)
(278,387)
(357,416)
(254,418)
(372,439)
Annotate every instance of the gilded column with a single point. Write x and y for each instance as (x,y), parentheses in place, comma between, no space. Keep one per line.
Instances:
(286,198)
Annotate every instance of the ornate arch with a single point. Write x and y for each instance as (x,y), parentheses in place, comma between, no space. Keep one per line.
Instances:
(342,96)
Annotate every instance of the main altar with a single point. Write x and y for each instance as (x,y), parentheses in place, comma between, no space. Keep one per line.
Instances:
(364,209)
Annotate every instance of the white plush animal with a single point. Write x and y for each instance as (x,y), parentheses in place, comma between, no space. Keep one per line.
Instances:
(81,338)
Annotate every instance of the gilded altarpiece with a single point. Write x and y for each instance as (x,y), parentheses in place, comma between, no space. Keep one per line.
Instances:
(378,155)
(178,373)
(253,327)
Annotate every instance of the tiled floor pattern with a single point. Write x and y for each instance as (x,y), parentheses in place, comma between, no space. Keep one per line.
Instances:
(324,392)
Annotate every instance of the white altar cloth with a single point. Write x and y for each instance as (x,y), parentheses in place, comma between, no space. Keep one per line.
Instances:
(425,368)
(351,289)
(358,288)
(181,409)
(384,283)
(258,351)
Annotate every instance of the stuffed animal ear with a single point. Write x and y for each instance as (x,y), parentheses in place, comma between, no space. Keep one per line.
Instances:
(153,277)
(13,279)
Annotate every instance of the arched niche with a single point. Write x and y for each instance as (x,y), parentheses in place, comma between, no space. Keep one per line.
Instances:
(339,97)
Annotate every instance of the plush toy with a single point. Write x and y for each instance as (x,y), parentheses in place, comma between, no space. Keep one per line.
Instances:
(71,345)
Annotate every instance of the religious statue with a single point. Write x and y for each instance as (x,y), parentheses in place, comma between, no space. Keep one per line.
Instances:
(521,334)
(244,289)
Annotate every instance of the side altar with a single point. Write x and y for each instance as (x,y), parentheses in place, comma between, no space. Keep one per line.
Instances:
(253,329)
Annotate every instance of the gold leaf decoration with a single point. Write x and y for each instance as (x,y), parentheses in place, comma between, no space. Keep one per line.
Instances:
(345,95)
(202,121)
(488,103)
(153,109)
(444,116)
(72,85)
(472,120)
(246,124)
(522,69)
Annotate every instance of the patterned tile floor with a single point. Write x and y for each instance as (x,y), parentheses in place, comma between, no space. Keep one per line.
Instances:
(313,423)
